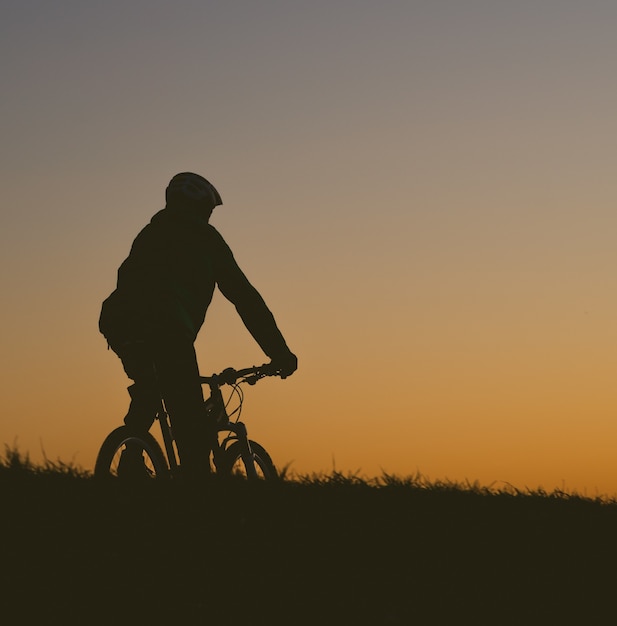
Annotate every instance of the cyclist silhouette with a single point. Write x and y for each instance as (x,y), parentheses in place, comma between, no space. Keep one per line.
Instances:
(152,318)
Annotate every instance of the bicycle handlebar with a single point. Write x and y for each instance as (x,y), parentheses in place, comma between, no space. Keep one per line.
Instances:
(248,375)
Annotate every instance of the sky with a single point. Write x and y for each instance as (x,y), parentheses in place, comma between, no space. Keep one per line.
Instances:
(422,191)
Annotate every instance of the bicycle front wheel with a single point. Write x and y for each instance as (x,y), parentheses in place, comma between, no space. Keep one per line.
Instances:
(234,464)
(125,454)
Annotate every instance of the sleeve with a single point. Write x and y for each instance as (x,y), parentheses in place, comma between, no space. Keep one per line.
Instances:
(251,308)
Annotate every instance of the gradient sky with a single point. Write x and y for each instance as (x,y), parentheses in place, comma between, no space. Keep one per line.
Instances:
(422,191)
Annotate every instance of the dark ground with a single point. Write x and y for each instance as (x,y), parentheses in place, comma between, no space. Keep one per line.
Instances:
(320,552)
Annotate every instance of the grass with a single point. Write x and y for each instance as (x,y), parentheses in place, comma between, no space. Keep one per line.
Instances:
(15,465)
(320,549)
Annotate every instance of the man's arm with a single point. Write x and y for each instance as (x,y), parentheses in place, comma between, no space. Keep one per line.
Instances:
(252,309)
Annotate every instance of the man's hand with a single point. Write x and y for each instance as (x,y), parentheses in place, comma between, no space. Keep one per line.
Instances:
(286,365)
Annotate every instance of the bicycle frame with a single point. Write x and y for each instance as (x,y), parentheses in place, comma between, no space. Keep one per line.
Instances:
(230,449)
(215,407)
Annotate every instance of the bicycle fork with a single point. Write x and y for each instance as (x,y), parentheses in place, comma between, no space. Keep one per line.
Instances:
(245,450)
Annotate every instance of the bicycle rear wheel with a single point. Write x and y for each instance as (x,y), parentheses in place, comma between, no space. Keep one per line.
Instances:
(233,463)
(123,439)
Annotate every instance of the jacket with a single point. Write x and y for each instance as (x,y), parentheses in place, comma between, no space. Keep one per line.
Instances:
(166,284)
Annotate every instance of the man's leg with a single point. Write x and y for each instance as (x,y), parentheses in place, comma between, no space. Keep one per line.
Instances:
(138,364)
(178,376)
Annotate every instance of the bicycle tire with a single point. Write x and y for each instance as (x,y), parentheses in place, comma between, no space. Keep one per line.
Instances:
(233,463)
(107,460)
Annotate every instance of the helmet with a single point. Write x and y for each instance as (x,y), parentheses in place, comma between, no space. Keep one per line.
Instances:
(188,188)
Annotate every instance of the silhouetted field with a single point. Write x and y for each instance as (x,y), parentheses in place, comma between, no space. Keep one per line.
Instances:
(315,550)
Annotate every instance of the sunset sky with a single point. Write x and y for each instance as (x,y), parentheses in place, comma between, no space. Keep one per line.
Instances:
(423,191)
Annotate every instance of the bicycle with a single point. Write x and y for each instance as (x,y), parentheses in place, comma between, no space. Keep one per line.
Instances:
(234,452)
